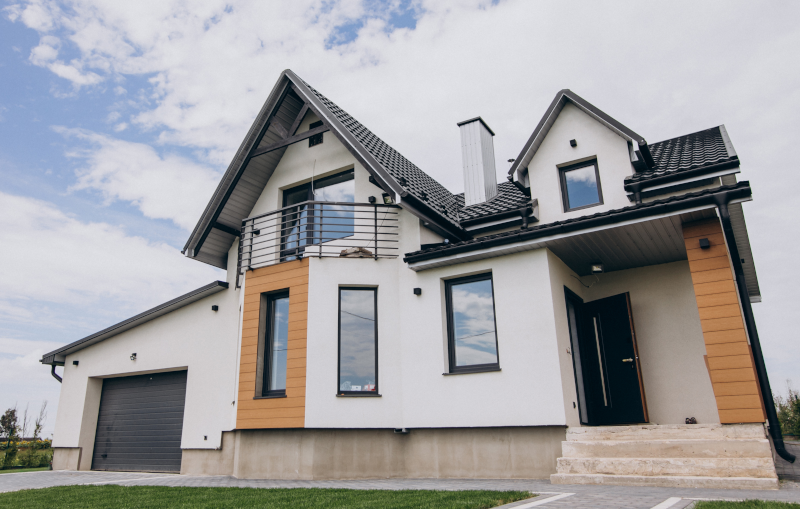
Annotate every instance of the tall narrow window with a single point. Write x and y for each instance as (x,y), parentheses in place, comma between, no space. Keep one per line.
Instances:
(358,341)
(275,344)
(472,336)
(580,186)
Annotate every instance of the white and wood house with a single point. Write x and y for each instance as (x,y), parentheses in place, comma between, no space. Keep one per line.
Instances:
(588,319)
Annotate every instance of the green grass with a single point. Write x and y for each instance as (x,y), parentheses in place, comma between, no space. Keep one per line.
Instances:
(157,497)
(18,470)
(747,504)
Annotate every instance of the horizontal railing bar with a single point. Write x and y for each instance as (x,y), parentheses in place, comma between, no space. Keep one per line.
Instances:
(312,202)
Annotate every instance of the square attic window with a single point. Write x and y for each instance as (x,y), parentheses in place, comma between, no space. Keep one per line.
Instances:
(580,186)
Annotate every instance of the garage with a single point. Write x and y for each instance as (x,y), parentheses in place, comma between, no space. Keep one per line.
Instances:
(140,422)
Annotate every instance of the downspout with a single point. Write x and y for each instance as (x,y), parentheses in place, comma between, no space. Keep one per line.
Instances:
(750,323)
(53,372)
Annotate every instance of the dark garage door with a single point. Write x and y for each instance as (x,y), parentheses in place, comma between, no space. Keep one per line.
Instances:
(140,422)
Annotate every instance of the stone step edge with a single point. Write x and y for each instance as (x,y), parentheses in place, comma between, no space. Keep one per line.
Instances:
(739,483)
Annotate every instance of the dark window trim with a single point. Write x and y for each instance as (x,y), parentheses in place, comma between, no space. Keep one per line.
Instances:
(451,352)
(473,371)
(271,297)
(375,393)
(563,179)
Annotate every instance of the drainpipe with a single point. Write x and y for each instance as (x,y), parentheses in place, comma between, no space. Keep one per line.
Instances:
(750,323)
(53,372)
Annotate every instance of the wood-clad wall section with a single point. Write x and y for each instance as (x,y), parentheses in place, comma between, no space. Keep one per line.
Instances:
(729,358)
(288,412)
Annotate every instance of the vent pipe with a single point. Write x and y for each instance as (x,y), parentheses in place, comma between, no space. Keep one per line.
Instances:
(477,156)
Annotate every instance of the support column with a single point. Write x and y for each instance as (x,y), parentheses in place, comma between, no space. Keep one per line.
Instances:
(730,359)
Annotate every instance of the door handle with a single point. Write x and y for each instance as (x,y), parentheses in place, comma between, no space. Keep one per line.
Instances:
(627,360)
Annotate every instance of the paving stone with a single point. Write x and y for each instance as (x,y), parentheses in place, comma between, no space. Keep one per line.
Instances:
(586,496)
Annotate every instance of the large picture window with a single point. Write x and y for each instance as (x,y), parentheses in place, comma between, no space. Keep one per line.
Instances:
(580,185)
(275,344)
(358,342)
(471,330)
(306,224)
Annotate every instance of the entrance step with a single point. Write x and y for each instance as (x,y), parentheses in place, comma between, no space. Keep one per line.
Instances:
(695,455)
(703,448)
(739,483)
(706,467)
(668,432)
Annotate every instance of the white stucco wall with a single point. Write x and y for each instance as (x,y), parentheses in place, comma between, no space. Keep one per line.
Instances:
(594,140)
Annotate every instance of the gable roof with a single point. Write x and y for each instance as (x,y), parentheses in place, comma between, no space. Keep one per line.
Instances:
(546,123)
(683,155)
(252,167)
(509,198)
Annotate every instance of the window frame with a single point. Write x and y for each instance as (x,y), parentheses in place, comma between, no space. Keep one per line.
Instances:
(269,341)
(562,177)
(451,351)
(357,394)
(317,139)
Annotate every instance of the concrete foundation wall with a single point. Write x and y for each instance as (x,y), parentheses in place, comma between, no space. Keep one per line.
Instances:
(66,458)
(509,452)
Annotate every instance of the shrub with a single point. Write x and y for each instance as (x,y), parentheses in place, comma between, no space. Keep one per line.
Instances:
(789,412)
(29,458)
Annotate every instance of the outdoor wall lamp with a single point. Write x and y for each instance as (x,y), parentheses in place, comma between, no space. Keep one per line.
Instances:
(597,268)
(133,356)
(372,199)
(214,308)
(573,143)
(417,291)
(704,244)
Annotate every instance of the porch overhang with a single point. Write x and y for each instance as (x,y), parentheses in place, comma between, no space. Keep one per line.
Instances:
(635,236)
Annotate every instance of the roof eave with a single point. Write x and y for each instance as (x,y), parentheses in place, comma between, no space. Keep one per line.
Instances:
(679,175)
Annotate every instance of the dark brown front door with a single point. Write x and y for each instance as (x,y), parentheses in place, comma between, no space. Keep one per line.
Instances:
(606,360)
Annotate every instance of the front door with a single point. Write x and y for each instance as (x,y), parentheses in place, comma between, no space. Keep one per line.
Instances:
(606,360)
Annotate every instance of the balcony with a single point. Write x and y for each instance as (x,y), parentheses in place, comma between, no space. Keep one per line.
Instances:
(319,229)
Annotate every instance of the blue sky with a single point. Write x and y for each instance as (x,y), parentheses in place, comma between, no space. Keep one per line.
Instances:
(117,120)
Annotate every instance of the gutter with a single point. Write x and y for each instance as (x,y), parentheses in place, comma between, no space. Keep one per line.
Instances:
(55,375)
(752,332)
(635,187)
(742,191)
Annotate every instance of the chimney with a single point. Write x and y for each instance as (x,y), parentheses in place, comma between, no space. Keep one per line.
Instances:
(477,156)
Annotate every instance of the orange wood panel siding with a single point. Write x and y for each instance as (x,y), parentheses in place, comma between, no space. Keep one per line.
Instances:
(288,412)
(729,358)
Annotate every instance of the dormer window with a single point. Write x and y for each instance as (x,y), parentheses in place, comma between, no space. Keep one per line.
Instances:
(580,185)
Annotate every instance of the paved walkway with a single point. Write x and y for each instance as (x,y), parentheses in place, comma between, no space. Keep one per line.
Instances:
(552,496)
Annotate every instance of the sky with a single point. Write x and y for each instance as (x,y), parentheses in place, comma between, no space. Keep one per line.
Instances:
(117,120)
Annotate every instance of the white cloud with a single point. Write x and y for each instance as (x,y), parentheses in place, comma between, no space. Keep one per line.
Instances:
(162,187)
(120,127)
(76,260)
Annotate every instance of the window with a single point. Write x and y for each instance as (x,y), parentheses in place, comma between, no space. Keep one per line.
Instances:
(276,338)
(580,186)
(471,330)
(358,342)
(317,138)
(311,224)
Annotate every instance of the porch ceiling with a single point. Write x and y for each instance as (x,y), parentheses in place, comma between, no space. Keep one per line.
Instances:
(653,242)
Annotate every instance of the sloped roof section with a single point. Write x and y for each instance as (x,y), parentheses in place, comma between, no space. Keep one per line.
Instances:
(710,147)
(410,178)
(509,198)
(255,161)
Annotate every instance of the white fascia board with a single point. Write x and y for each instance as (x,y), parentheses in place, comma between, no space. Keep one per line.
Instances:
(529,245)
(727,141)
(720,173)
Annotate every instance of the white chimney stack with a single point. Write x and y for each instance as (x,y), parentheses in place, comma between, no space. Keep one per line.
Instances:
(477,156)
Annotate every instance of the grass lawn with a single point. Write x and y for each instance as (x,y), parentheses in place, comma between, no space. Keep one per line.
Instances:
(747,504)
(128,497)
(18,470)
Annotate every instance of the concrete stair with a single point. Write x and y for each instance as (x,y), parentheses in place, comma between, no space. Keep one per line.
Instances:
(695,455)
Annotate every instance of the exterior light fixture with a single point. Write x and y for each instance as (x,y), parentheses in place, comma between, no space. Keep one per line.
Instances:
(597,268)
(417,291)
(372,200)
(133,356)
(573,143)
(214,308)
(704,244)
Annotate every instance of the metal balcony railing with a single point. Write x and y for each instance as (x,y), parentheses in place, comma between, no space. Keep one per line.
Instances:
(319,229)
